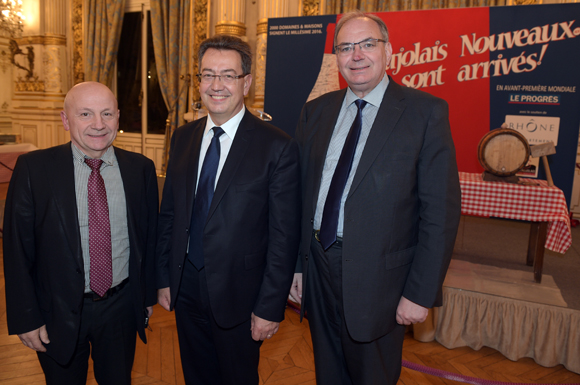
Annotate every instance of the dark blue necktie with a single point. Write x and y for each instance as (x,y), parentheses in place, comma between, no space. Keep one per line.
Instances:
(329,224)
(203,197)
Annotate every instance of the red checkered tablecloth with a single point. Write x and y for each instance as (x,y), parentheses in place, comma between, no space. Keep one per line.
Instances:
(534,203)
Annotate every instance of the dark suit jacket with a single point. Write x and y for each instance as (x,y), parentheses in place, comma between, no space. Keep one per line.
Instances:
(43,263)
(402,211)
(251,236)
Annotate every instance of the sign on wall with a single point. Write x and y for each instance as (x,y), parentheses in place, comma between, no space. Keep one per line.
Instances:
(492,64)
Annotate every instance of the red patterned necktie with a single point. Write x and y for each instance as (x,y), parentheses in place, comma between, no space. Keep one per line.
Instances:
(101,273)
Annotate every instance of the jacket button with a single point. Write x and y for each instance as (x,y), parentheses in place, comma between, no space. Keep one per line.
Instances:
(311,220)
(179,267)
(78,271)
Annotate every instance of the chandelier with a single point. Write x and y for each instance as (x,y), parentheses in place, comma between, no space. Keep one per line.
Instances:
(11,18)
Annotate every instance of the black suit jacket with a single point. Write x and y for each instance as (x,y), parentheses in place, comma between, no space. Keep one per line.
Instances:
(250,239)
(43,264)
(402,210)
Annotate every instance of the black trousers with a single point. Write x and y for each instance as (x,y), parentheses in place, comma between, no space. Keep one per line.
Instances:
(211,355)
(340,360)
(108,334)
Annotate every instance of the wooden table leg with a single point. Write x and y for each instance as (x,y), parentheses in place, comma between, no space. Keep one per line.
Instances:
(538,234)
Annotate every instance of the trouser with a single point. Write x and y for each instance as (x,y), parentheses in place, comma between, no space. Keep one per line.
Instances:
(108,334)
(211,355)
(340,360)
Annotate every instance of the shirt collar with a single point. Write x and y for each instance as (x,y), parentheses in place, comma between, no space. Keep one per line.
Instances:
(107,158)
(230,127)
(375,97)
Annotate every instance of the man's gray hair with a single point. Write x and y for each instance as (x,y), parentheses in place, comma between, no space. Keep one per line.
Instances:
(361,15)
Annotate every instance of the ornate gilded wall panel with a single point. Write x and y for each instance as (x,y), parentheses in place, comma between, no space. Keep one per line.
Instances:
(4,59)
(77,28)
(260,80)
(30,133)
(199,35)
(230,28)
(525,2)
(42,40)
(52,69)
(310,7)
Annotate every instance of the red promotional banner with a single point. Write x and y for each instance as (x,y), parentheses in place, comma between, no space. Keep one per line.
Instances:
(493,65)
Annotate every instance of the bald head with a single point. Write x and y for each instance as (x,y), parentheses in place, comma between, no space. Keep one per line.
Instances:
(87,88)
(91,116)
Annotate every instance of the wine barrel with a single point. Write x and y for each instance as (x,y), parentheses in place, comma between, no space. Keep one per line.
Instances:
(503,152)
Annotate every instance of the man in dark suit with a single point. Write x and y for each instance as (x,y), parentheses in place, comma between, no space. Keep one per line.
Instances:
(229,224)
(80,283)
(379,223)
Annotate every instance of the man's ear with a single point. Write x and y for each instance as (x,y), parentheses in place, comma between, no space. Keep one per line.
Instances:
(64,119)
(247,84)
(389,52)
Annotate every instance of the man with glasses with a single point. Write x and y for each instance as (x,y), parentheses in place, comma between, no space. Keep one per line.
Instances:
(229,225)
(380,212)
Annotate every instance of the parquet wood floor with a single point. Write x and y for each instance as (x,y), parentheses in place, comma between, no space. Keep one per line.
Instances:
(285,360)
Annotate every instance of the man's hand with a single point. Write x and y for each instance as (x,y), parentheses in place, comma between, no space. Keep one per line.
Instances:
(296,288)
(262,329)
(164,298)
(35,338)
(410,313)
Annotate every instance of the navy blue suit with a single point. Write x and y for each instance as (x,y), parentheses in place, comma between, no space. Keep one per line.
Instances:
(250,239)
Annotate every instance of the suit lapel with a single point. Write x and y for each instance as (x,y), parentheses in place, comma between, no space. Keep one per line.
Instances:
(234,159)
(131,183)
(61,176)
(390,111)
(321,140)
(194,149)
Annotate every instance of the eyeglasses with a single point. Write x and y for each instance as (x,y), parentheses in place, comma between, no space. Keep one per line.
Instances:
(367,45)
(227,79)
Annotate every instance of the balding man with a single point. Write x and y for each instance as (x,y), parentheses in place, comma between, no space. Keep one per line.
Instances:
(79,238)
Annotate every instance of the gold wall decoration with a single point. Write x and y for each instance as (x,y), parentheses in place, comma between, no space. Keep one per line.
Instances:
(77,28)
(310,7)
(230,28)
(260,78)
(52,70)
(4,61)
(29,85)
(260,73)
(199,35)
(262,26)
(15,50)
(43,40)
